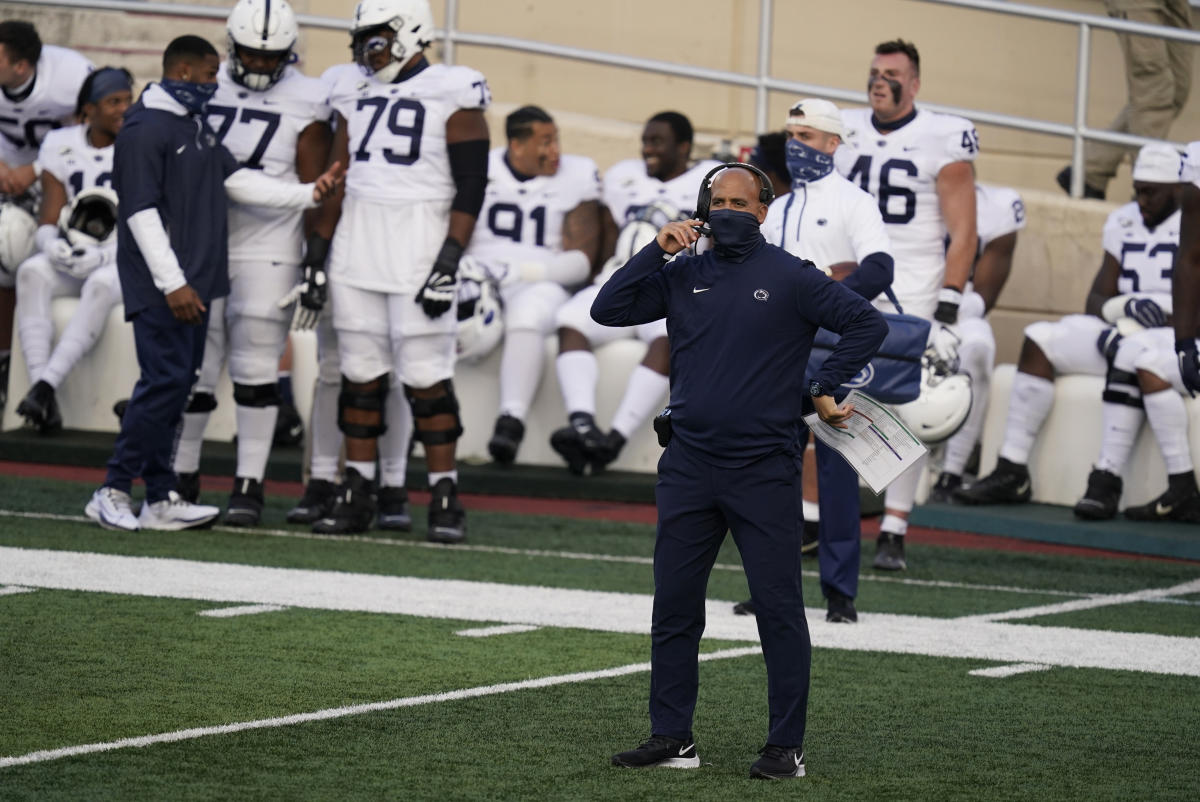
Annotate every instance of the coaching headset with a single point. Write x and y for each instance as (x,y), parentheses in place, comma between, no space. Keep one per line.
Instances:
(766,192)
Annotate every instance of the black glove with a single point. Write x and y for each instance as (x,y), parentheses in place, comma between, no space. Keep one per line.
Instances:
(437,296)
(947,308)
(1189,365)
(1145,312)
(311,293)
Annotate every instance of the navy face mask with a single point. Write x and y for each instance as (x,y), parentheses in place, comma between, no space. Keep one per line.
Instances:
(806,163)
(193,96)
(735,233)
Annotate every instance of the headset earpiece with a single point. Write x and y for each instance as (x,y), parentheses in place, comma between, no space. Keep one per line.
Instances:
(766,193)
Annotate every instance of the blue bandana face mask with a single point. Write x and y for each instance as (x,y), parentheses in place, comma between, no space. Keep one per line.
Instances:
(735,233)
(193,96)
(806,164)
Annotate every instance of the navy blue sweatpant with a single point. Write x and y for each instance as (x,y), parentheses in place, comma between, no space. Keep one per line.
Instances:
(840,527)
(169,353)
(697,504)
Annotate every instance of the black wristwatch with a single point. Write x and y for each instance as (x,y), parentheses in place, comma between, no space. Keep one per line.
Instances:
(815,388)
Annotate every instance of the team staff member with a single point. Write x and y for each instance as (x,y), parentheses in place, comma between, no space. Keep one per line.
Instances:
(172,175)
(740,319)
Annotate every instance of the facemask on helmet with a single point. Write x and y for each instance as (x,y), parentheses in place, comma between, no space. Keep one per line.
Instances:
(411,25)
(943,405)
(91,219)
(267,26)
(480,312)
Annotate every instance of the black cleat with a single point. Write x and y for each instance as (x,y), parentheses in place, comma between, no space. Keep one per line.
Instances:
(354,508)
(840,609)
(447,518)
(942,491)
(1103,496)
(40,408)
(778,763)
(289,427)
(889,552)
(1008,484)
(506,439)
(1181,502)
(187,485)
(245,503)
(659,750)
(810,539)
(393,512)
(581,443)
(317,502)
(608,450)
(744,608)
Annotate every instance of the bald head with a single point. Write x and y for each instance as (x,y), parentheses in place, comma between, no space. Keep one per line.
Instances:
(737,190)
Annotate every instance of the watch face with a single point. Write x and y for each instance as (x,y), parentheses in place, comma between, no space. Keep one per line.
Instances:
(814,389)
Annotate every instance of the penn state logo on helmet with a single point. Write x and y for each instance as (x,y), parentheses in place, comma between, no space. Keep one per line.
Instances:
(480,312)
(17,236)
(943,405)
(262,26)
(91,219)
(411,25)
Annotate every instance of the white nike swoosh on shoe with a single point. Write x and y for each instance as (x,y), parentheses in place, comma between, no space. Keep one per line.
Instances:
(698,290)
(683,750)
(1024,488)
(1161,510)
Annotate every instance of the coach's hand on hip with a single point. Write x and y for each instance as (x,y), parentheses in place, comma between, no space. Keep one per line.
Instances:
(674,237)
(829,411)
(186,305)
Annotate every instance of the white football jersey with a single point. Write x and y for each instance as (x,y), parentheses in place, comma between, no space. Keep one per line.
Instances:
(67,155)
(629,190)
(827,221)
(522,220)
(261,130)
(49,105)
(1189,170)
(1146,257)
(998,211)
(900,169)
(398,131)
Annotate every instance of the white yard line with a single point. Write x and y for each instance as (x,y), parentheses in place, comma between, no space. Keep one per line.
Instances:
(999,672)
(350,710)
(245,609)
(1150,594)
(12,590)
(503,629)
(494,603)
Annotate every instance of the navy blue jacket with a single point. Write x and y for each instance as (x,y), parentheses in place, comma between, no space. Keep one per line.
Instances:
(175,164)
(740,336)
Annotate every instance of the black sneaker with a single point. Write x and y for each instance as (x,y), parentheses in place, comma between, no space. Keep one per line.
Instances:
(810,538)
(245,503)
(1064,180)
(889,552)
(40,408)
(289,427)
(1103,495)
(447,518)
(581,443)
(778,763)
(841,609)
(187,485)
(744,608)
(393,510)
(1181,502)
(608,450)
(659,750)
(1008,484)
(317,502)
(354,508)
(506,439)
(943,490)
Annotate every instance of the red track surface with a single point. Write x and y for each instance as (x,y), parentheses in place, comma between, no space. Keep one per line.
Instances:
(600,510)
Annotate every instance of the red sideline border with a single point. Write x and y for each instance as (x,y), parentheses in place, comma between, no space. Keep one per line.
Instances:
(610,511)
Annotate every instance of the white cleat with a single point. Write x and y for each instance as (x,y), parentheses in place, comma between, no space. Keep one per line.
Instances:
(173,513)
(112,509)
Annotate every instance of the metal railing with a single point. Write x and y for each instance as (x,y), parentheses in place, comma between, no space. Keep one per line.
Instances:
(762,82)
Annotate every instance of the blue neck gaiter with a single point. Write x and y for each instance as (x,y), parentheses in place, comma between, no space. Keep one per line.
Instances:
(735,233)
(193,96)
(806,164)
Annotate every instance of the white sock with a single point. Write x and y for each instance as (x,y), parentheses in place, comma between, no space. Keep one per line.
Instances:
(326,437)
(894,524)
(1119,431)
(437,476)
(643,395)
(811,510)
(1169,421)
(1029,403)
(191,438)
(520,371)
(393,446)
(578,372)
(256,430)
(365,469)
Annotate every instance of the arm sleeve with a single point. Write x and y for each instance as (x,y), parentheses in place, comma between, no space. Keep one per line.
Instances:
(254,188)
(861,326)
(147,229)
(635,294)
(469,168)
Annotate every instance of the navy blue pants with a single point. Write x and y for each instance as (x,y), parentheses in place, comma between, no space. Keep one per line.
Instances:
(697,504)
(169,353)
(840,527)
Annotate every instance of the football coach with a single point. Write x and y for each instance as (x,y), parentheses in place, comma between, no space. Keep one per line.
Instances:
(740,320)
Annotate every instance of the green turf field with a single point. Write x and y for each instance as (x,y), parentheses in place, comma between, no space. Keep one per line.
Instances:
(355,681)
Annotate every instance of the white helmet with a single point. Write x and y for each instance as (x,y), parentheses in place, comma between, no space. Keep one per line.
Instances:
(634,236)
(480,312)
(267,25)
(410,20)
(943,405)
(90,219)
(17,236)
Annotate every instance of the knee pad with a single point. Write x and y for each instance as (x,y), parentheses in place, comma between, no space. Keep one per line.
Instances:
(445,404)
(201,402)
(256,395)
(368,396)
(1121,387)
